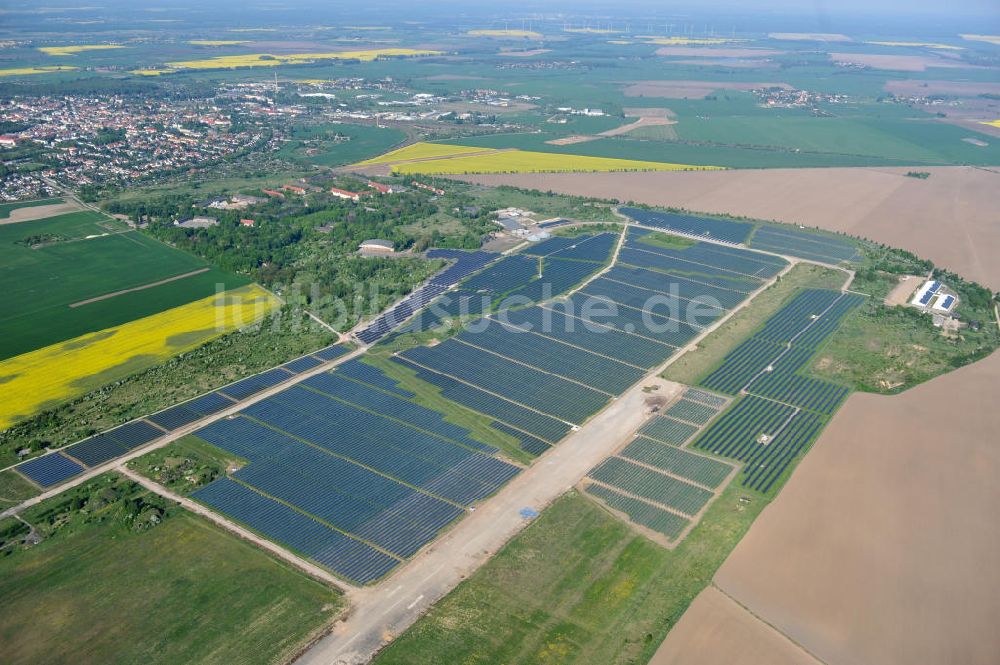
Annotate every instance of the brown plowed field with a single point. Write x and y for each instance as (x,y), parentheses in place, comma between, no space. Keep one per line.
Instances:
(950,218)
(716,630)
(884,546)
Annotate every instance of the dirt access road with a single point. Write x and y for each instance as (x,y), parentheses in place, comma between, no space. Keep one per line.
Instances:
(950,218)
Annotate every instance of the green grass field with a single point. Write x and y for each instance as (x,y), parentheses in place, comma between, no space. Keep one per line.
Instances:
(576,587)
(47,265)
(106,587)
(318,144)
(14,489)
(7,208)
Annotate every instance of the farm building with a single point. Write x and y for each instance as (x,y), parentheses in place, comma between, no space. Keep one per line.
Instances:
(933,295)
(382,189)
(345,194)
(247,222)
(376,247)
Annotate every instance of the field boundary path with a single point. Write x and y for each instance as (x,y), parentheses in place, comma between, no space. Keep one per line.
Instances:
(114,294)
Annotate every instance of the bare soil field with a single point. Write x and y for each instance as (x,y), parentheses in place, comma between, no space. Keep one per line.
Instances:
(654,121)
(901,293)
(949,218)
(32,213)
(715,629)
(641,122)
(902,63)
(883,547)
(710,52)
(690,89)
(918,87)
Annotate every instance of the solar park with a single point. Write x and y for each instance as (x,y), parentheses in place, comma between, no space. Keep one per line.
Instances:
(350,470)
(654,481)
(786,240)
(59,466)
(779,410)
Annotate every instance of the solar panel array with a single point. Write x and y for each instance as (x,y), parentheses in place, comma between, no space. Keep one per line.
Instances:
(782,410)
(356,464)
(101,448)
(50,469)
(721,230)
(465,263)
(805,244)
(768,363)
(541,272)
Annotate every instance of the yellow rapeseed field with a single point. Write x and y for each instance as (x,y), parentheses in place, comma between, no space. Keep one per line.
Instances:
(24,71)
(936,45)
(270,60)
(525,161)
(79,48)
(57,373)
(991,123)
(423,150)
(524,34)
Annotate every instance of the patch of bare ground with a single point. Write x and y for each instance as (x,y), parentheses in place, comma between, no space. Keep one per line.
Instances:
(648,112)
(923,88)
(883,546)
(901,293)
(711,52)
(656,121)
(570,140)
(715,629)
(900,63)
(690,89)
(524,54)
(32,213)
(949,218)
(641,122)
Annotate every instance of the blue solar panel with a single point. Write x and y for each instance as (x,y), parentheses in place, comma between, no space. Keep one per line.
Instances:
(254,384)
(134,434)
(947,302)
(331,352)
(174,418)
(210,403)
(49,469)
(302,364)
(347,557)
(96,450)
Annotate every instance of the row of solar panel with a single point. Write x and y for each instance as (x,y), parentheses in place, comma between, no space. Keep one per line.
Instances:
(720,230)
(57,467)
(347,450)
(465,264)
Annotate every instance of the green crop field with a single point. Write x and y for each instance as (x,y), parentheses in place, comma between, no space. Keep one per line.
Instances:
(7,208)
(576,587)
(47,265)
(108,586)
(321,145)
